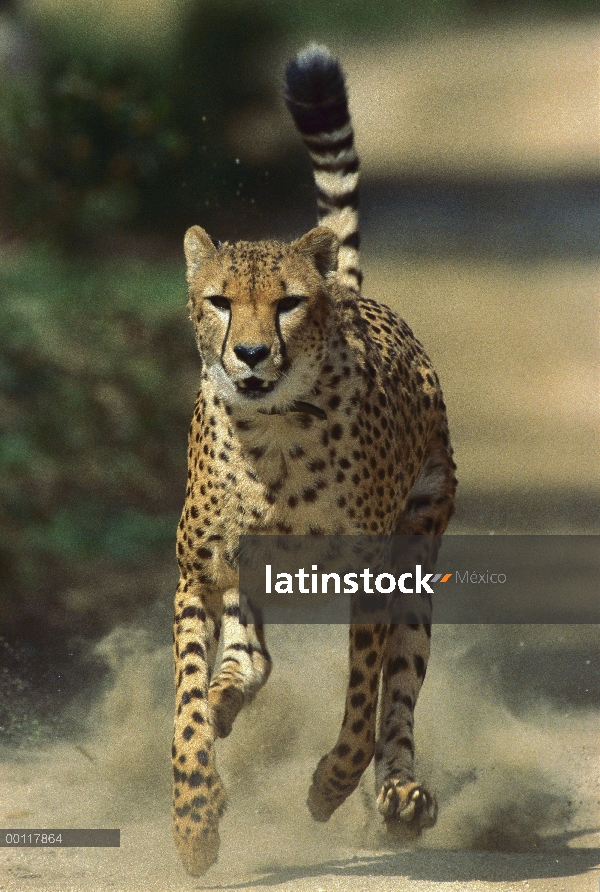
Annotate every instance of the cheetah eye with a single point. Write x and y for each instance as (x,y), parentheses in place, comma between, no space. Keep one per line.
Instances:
(289,303)
(221,303)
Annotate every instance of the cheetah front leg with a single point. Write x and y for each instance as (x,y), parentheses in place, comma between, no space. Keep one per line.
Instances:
(407,806)
(245,666)
(339,772)
(198,793)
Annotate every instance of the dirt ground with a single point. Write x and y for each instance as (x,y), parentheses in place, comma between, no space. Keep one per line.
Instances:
(507,726)
(506,737)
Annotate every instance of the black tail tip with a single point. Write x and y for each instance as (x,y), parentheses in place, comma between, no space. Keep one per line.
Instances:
(314,77)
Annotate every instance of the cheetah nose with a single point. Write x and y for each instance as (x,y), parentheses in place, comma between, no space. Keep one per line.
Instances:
(251,355)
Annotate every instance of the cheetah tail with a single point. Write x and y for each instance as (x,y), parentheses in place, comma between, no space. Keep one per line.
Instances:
(315,94)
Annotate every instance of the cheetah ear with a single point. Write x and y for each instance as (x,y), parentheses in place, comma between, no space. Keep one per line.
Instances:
(321,246)
(198,249)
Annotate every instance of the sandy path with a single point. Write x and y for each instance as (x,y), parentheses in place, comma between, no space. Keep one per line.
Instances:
(514,765)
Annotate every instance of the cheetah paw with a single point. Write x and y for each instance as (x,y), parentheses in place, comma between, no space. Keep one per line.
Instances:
(225,703)
(322,804)
(406,807)
(198,852)
(320,808)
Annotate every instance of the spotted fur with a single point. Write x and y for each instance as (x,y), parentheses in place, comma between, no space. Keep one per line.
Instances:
(318,413)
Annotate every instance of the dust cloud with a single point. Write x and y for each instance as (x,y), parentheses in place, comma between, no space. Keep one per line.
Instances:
(512,760)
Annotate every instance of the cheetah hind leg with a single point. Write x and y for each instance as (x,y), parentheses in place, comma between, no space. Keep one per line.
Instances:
(245,666)
(407,806)
(338,773)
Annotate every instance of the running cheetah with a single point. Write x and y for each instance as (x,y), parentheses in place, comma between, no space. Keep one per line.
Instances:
(318,413)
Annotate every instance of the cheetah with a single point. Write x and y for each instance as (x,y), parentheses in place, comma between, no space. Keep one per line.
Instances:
(318,413)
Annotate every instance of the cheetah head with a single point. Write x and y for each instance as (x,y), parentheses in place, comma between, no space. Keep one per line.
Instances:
(261,313)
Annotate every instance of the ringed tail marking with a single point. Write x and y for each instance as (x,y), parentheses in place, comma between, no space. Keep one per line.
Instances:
(315,94)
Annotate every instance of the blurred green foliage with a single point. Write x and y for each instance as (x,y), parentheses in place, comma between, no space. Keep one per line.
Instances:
(362,19)
(95,136)
(98,370)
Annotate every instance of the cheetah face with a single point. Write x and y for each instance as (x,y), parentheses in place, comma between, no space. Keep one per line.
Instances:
(261,312)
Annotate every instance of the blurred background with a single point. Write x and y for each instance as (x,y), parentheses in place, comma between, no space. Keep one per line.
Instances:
(121,124)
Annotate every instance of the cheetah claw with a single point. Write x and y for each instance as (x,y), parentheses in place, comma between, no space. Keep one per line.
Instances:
(407,806)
